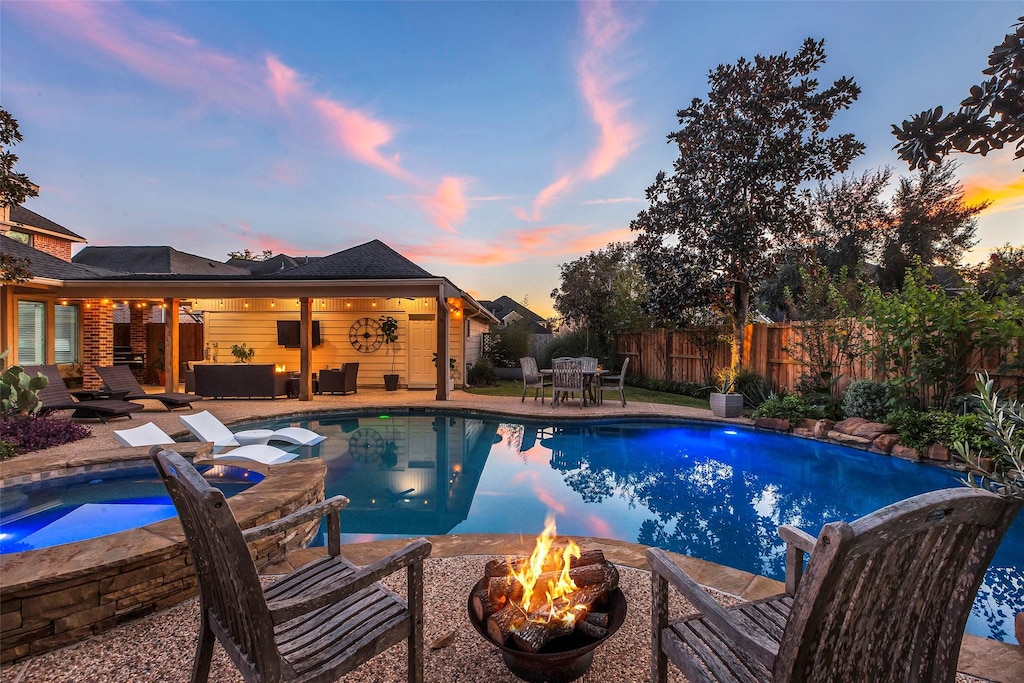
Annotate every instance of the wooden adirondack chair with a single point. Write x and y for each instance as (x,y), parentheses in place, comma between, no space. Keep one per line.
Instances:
(884,598)
(315,624)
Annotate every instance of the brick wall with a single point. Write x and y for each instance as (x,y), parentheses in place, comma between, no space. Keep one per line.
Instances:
(140,317)
(54,246)
(97,340)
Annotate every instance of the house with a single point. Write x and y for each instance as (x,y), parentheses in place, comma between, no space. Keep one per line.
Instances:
(508,311)
(342,297)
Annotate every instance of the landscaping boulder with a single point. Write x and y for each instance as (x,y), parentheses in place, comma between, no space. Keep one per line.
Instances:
(872,430)
(1018,628)
(778,424)
(803,431)
(848,425)
(901,451)
(849,440)
(937,452)
(822,428)
(883,443)
(806,423)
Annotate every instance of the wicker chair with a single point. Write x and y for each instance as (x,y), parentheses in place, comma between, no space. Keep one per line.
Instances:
(340,381)
(884,598)
(314,624)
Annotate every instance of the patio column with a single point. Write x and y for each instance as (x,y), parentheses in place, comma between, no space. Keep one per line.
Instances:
(8,322)
(171,354)
(305,348)
(442,345)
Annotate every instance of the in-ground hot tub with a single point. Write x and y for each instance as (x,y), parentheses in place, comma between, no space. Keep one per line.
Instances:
(62,594)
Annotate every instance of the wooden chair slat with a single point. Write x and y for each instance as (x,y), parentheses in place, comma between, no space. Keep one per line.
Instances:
(885,597)
(326,635)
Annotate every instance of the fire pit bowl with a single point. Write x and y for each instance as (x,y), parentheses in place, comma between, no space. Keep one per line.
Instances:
(562,659)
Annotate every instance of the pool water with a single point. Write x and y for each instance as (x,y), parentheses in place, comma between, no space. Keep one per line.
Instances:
(717,492)
(63,510)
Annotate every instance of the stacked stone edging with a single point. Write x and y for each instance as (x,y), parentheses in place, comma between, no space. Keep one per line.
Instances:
(857,432)
(53,597)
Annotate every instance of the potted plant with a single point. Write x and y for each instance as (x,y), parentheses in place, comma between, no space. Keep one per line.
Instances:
(725,402)
(451,371)
(242,353)
(390,328)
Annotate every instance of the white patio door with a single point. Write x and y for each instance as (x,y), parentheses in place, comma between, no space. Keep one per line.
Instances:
(422,339)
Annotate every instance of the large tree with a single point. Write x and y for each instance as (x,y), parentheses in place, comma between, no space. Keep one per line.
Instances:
(930,223)
(15,187)
(716,225)
(989,118)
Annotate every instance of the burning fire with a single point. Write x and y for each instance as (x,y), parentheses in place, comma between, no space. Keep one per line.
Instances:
(546,602)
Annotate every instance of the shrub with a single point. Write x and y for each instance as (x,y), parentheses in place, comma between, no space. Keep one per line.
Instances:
(8,449)
(785,406)
(482,373)
(670,386)
(868,399)
(915,427)
(1002,421)
(948,429)
(35,432)
(752,385)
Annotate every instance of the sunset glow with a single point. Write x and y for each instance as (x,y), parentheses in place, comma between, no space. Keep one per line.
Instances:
(487,142)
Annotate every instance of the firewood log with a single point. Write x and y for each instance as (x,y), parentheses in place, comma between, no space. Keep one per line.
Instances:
(588,557)
(533,635)
(501,624)
(591,630)
(597,619)
(483,606)
(501,588)
(504,567)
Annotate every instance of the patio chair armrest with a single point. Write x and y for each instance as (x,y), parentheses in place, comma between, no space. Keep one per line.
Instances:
(414,553)
(763,649)
(315,511)
(798,543)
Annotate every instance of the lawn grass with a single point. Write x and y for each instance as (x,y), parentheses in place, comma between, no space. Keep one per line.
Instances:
(513,388)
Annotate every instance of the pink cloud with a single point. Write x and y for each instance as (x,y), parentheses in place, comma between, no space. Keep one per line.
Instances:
(360,136)
(516,246)
(604,32)
(447,206)
(282,81)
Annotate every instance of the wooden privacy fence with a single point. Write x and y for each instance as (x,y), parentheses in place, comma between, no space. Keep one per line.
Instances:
(673,355)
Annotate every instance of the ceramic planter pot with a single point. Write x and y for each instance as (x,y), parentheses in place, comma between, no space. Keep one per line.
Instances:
(726,405)
(391,382)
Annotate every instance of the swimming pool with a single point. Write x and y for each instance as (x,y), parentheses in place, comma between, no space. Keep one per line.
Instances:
(67,509)
(713,491)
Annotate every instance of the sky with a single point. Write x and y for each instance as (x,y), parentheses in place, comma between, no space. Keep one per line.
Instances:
(488,142)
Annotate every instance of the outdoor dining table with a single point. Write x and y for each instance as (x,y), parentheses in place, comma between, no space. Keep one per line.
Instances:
(589,377)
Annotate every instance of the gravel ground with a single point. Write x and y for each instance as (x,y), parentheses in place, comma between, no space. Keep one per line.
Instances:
(160,647)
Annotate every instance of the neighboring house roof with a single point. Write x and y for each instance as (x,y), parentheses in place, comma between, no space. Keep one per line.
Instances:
(508,310)
(49,267)
(154,261)
(373,260)
(31,219)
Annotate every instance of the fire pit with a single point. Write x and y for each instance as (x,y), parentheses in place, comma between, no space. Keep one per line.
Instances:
(548,613)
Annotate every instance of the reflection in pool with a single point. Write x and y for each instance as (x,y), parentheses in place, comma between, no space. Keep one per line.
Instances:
(702,489)
(67,509)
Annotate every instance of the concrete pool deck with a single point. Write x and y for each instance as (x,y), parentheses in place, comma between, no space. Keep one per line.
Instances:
(980,657)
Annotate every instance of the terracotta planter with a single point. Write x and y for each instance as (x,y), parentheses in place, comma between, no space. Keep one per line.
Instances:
(726,405)
(391,382)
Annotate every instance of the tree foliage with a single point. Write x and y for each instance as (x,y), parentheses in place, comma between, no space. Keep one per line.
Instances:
(715,226)
(1001,275)
(850,215)
(989,118)
(248,255)
(601,292)
(930,222)
(14,269)
(15,187)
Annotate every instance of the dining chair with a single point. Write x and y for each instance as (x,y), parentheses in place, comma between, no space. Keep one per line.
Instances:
(566,380)
(612,383)
(532,378)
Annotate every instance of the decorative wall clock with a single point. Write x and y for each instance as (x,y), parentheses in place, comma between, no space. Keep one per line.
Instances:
(366,445)
(366,335)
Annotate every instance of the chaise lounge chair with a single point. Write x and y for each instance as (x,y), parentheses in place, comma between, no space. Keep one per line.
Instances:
(56,397)
(884,598)
(151,435)
(120,378)
(314,624)
(206,427)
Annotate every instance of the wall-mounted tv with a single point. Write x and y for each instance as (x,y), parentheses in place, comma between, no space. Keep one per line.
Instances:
(288,333)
